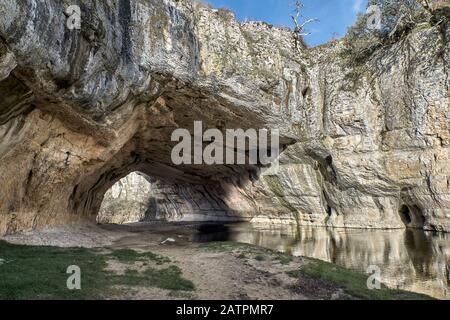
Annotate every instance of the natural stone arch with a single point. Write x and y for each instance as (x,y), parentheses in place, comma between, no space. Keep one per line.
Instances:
(127,201)
(140,197)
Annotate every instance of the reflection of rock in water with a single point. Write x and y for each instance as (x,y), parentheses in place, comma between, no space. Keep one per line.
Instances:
(448,274)
(420,251)
(409,259)
(211,232)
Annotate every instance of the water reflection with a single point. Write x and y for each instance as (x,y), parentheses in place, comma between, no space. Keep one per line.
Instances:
(212,232)
(409,259)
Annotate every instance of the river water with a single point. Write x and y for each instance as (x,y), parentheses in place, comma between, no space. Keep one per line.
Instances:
(412,260)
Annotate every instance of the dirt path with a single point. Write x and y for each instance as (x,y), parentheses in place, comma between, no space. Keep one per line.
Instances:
(69,236)
(216,275)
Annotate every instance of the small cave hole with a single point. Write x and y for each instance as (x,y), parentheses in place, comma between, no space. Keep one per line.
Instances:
(305,92)
(405,214)
(29,177)
(326,204)
(329,210)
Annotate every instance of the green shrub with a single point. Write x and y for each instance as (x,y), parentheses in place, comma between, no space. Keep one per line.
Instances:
(398,18)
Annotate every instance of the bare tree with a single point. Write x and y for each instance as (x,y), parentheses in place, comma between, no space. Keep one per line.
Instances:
(300,23)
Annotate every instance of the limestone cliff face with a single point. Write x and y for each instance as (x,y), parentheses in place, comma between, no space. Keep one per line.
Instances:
(375,145)
(81,109)
(379,136)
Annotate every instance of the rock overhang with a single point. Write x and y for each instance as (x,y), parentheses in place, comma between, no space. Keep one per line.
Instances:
(83,108)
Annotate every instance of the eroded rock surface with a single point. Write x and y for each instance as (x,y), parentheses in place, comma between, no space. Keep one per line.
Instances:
(81,109)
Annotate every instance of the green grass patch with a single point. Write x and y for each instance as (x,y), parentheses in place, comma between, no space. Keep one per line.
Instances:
(284,259)
(353,283)
(169,278)
(232,246)
(131,256)
(260,257)
(247,251)
(242,256)
(30,272)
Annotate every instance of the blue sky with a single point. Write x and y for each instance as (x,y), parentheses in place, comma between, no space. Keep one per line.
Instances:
(335,15)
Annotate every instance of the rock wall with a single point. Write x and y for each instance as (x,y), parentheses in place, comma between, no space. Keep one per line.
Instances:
(81,109)
(375,144)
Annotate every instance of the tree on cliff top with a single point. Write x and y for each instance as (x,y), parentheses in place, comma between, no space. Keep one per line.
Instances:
(387,21)
(300,24)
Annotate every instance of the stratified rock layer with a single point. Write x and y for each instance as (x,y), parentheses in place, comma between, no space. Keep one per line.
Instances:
(81,109)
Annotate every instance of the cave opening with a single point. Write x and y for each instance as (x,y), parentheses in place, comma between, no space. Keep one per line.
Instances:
(412,216)
(329,210)
(130,200)
(148,197)
(405,215)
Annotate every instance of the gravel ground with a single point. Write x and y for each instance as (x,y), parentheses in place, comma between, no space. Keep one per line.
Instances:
(86,236)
